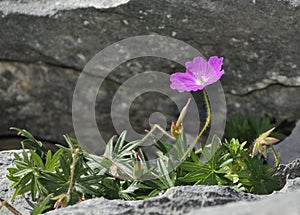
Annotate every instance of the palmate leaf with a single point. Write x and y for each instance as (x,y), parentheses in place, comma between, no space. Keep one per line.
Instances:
(52,161)
(208,171)
(205,175)
(248,128)
(117,174)
(116,158)
(26,174)
(165,175)
(89,185)
(60,185)
(85,181)
(260,177)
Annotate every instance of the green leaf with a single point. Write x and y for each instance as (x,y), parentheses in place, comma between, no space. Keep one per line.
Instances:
(133,187)
(162,146)
(208,153)
(109,146)
(21,173)
(226,162)
(42,206)
(37,159)
(31,142)
(189,166)
(65,166)
(120,142)
(164,173)
(23,180)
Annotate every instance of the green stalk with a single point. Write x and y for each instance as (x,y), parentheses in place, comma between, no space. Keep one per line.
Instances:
(203,129)
(275,155)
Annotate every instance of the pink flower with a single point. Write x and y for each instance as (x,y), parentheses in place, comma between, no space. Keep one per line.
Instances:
(198,75)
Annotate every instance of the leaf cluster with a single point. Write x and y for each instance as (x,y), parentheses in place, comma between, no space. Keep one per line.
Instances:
(71,175)
(249,128)
(229,164)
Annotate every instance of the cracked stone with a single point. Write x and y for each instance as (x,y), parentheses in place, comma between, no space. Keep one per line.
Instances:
(260,43)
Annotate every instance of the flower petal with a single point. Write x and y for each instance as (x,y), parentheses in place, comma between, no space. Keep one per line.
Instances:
(267,133)
(264,152)
(199,74)
(189,65)
(198,65)
(216,63)
(255,149)
(271,140)
(184,82)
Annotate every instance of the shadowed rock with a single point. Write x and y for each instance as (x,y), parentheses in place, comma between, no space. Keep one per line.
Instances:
(45,45)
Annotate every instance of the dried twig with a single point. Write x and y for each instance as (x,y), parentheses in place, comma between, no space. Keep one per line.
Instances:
(9,207)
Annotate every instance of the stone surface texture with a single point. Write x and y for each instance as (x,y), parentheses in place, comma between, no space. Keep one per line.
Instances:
(289,171)
(178,200)
(44,46)
(6,161)
(289,149)
(276,204)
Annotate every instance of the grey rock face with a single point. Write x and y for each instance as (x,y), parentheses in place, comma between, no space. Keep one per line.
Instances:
(275,205)
(46,7)
(6,160)
(36,96)
(177,200)
(291,185)
(289,149)
(45,45)
(293,3)
(288,171)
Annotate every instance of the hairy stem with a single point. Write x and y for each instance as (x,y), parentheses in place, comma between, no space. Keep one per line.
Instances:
(155,127)
(203,129)
(73,170)
(63,198)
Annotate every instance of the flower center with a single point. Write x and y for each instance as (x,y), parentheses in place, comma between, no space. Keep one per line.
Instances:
(198,82)
(200,79)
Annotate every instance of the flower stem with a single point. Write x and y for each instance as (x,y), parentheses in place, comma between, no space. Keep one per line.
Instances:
(65,197)
(75,153)
(275,155)
(203,129)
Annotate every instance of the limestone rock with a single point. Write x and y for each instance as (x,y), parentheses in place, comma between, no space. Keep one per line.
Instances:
(275,205)
(47,43)
(291,185)
(44,46)
(289,149)
(177,200)
(6,160)
(288,171)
